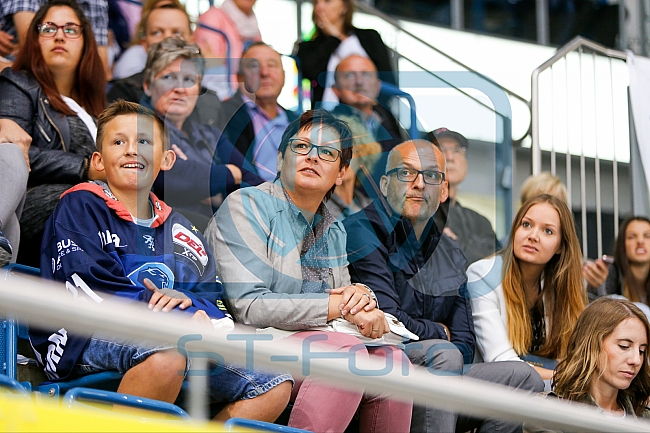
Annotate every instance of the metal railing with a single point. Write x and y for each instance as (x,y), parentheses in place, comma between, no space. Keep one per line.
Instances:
(586,101)
(45,304)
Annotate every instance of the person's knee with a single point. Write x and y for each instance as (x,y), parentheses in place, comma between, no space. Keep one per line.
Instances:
(280,395)
(167,363)
(525,377)
(444,357)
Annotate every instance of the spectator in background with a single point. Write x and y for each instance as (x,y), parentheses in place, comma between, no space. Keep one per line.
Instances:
(237,20)
(22,12)
(54,92)
(543,183)
(629,275)
(254,121)
(15,17)
(527,298)
(160,19)
(357,86)
(207,167)
(419,277)
(471,230)
(336,38)
(606,363)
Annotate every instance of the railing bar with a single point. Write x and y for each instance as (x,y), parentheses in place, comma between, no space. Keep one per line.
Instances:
(599,217)
(614,162)
(568,134)
(553,155)
(433,74)
(583,180)
(574,44)
(43,305)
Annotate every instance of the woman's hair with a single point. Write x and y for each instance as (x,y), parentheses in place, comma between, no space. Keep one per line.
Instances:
(147,7)
(90,80)
(165,52)
(543,183)
(632,290)
(324,119)
(347,18)
(564,294)
(573,375)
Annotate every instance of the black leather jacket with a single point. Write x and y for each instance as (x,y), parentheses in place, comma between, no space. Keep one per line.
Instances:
(24,102)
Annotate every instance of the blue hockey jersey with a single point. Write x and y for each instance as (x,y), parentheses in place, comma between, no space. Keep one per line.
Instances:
(92,244)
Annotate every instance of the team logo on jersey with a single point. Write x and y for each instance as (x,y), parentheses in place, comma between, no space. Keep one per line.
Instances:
(149,242)
(158,273)
(188,245)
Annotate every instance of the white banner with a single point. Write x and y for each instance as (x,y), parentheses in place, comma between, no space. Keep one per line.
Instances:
(639,68)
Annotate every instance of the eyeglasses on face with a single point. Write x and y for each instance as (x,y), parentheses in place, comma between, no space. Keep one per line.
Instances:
(303,147)
(430,177)
(70,30)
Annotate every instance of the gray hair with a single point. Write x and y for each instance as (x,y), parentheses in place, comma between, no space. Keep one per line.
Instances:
(165,52)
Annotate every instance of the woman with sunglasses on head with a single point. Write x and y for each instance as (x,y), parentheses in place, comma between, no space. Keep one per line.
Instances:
(52,95)
(526,298)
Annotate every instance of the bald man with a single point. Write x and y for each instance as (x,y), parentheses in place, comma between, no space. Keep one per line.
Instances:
(418,275)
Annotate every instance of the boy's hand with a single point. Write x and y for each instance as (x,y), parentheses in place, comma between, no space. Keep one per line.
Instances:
(166,300)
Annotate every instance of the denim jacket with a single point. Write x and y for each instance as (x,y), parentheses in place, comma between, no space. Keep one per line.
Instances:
(25,103)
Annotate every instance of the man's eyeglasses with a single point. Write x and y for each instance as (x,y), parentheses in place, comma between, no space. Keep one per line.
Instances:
(430,177)
(70,30)
(303,147)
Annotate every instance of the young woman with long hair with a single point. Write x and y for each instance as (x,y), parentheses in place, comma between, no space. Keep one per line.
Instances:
(53,93)
(526,299)
(606,361)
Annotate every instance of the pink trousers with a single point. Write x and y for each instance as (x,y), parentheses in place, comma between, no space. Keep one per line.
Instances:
(322,408)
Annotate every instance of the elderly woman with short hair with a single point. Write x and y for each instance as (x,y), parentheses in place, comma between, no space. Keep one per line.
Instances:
(208,167)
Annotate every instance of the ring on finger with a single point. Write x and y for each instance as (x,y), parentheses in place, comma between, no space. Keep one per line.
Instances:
(367,296)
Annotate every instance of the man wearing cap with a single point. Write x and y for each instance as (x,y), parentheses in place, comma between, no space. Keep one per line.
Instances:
(418,276)
(471,230)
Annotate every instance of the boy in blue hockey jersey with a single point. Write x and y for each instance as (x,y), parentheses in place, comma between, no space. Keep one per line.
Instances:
(118,239)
